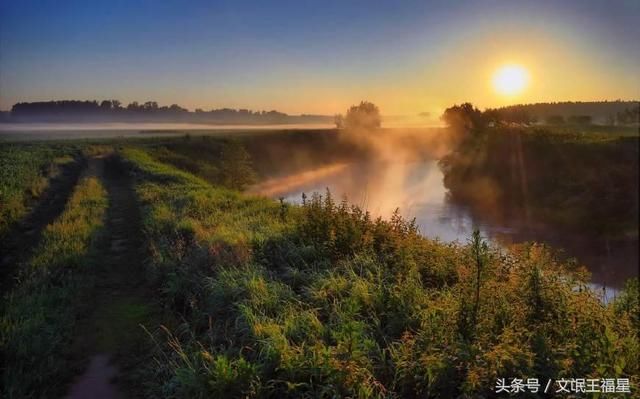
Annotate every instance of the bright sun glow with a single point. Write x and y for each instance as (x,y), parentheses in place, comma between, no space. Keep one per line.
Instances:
(510,80)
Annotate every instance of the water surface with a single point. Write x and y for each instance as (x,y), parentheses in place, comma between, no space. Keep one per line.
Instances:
(417,189)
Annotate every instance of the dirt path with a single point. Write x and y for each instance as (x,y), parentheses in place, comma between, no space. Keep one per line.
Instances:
(17,246)
(121,302)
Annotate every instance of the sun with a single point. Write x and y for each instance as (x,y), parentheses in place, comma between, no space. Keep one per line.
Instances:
(510,80)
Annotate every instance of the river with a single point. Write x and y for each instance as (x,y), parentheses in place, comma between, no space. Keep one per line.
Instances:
(417,189)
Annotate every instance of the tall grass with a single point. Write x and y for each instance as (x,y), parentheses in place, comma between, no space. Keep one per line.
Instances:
(39,315)
(322,300)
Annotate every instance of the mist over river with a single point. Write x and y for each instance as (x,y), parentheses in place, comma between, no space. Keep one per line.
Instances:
(417,189)
(407,176)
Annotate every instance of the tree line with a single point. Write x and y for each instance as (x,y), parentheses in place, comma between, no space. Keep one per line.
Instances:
(569,112)
(150,111)
(468,117)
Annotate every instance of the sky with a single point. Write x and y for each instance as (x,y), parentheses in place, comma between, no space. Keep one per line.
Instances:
(317,56)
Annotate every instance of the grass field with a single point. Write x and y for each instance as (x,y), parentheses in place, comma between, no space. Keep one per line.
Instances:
(25,173)
(39,315)
(267,299)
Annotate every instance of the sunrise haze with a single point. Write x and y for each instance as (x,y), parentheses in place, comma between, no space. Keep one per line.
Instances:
(317,57)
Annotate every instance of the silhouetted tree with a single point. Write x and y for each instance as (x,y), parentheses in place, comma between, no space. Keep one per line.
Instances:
(625,112)
(492,117)
(364,116)
(150,106)
(112,110)
(175,108)
(598,110)
(516,115)
(464,117)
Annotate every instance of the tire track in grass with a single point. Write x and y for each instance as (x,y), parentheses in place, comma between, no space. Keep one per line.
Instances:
(18,244)
(111,336)
(38,317)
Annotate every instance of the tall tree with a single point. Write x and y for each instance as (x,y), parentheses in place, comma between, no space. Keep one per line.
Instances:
(364,116)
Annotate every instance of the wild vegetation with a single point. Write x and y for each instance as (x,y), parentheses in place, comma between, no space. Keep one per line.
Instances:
(268,299)
(572,186)
(256,156)
(230,165)
(321,300)
(39,315)
(567,177)
(575,182)
(25,174)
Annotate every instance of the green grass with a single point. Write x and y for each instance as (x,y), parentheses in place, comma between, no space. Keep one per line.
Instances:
(117,320)
(221,162)
(322,301)
(570,181)
(25,173)
(39,315)
(318,300)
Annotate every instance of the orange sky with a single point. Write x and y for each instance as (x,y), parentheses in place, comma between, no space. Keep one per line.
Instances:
(407,57)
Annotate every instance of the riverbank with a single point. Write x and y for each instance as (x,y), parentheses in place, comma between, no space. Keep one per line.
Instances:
(285,300)
(241,295)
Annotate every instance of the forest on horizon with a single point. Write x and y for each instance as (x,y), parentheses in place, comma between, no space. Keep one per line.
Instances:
(600,112)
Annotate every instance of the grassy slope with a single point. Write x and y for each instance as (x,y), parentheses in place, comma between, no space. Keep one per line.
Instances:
(319,300)
(40,313)
(25,171)
(583,182)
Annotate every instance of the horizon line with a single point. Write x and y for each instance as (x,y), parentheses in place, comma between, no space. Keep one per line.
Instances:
(193,110)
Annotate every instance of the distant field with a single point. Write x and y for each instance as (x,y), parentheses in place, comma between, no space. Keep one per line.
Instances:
(71,131)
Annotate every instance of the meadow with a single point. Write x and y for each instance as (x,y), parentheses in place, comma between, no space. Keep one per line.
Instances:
(260,298)
(40,314)
(25,173)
